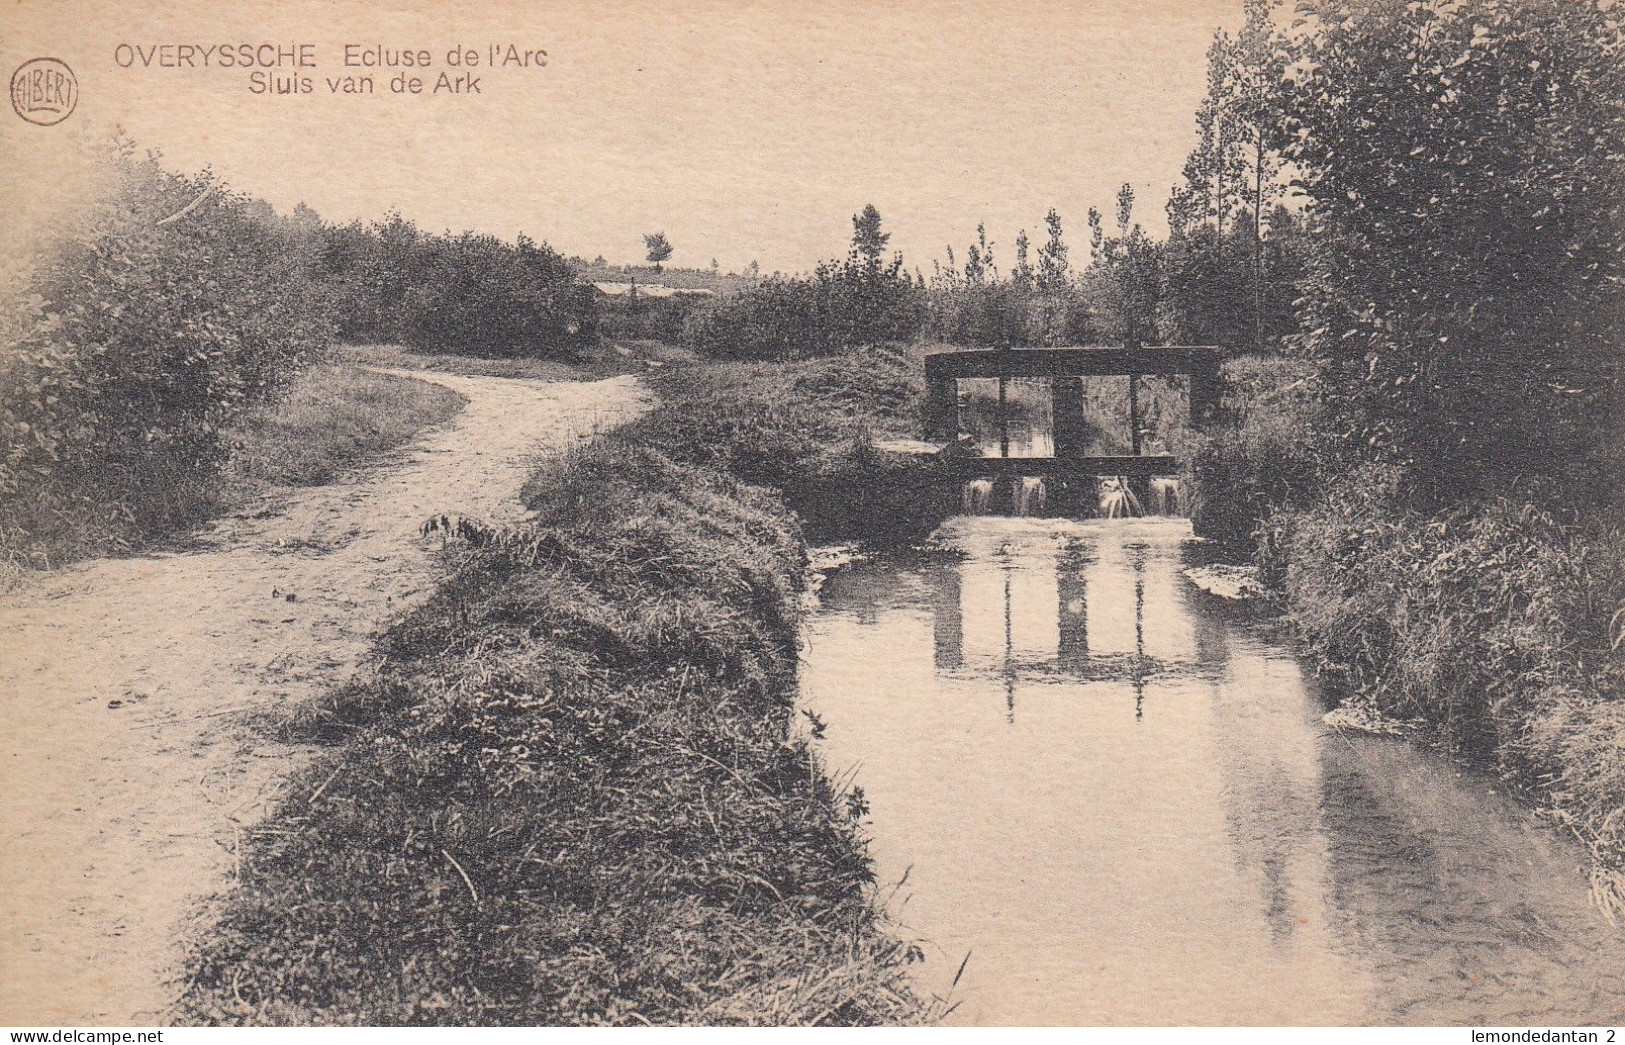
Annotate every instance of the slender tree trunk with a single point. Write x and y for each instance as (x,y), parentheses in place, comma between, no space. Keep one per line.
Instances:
(1258,239)
(1218,196)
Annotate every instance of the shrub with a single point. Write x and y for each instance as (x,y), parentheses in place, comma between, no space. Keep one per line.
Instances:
(1003,314)
(647,318)
(841,306)
(138,337)
(464,294)
(1484,618)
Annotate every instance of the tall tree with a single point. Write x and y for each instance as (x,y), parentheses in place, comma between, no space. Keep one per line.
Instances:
(1124,276)
(1465,169)
(1052,261)
(868,241)
(1022,274)
(659,247)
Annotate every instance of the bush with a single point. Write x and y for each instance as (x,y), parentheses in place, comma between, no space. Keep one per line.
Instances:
(999,315)
(647,318)
(141,334)
(475,295)
(839,307)
(1487,618)
(464,294)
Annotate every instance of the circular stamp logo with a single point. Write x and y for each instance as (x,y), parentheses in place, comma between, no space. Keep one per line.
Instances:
(44,91)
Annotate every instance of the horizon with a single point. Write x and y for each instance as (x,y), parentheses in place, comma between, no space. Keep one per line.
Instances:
(942,116)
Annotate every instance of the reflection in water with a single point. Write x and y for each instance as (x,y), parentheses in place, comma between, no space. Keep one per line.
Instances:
(1125,807)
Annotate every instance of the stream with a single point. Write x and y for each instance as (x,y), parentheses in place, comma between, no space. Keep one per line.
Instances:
(1117,795)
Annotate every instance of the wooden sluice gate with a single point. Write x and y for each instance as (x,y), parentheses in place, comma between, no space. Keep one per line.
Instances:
(1069,469)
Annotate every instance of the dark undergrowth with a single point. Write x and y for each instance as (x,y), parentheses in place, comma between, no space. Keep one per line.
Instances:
(572,794)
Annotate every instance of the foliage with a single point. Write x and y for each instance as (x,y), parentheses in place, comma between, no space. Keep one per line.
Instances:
(1465,166)
(868,242)
(658,249)
(1209,298)
(974,306)
(465,294)
(842,305)
(1480,617)
(143,332)
(1266,456)
(1124,280)
(646,316)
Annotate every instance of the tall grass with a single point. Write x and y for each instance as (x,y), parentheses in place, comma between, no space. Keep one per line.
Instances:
(332,418)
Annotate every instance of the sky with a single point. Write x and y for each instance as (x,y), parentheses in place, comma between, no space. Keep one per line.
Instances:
(743,130)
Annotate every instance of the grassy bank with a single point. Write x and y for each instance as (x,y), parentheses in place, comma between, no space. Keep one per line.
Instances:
(330,418)
(572,794)
(1493,620)
(809,430)
(333,417)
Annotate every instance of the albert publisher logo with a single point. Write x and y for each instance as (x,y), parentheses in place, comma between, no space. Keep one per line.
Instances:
(44,91)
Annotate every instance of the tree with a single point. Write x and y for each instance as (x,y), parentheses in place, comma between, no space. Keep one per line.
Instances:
(1124,276)
(979,267)
(1467,196)
(1022,274)
(1052,263)
(868,242)
(1232,178)
(660,248)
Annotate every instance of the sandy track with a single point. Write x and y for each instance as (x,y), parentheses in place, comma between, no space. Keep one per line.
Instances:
(129,775)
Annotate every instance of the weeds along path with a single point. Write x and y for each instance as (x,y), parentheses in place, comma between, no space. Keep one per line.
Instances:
(132,769)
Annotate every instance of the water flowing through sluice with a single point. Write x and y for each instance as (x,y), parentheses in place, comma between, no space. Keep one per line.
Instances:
(1031,495)
(1121,801)
(977,497)
(1112,497)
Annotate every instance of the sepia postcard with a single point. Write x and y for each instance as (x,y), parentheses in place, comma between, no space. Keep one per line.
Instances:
(813,513)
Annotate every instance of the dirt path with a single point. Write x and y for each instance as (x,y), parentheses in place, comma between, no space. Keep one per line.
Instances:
(128,773)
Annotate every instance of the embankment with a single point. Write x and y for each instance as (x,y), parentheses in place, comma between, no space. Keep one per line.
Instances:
(1496,620)
(571,794)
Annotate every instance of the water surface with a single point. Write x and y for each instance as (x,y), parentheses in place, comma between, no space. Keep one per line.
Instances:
(1118,796)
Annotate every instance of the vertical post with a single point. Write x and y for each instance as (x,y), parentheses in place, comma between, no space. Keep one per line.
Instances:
(1066,417)
(942,409)
(1004,422)
(1134,413)
(1206,389)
